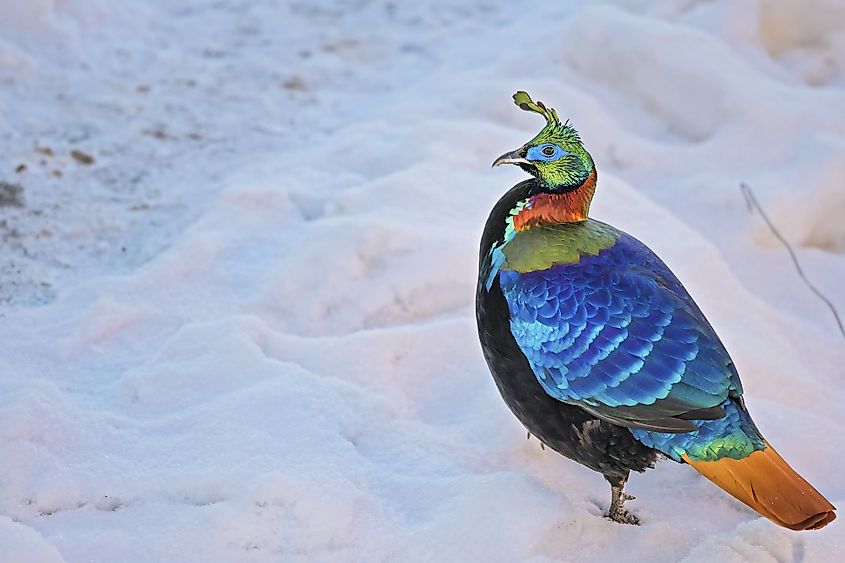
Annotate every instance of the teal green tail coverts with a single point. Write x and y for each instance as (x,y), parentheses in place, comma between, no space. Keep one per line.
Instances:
(600,351)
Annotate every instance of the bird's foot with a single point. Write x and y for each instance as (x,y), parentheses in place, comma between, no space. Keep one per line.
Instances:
(618,496)
(619,514)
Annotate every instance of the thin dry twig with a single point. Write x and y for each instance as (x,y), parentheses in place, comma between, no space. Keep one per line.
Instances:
(752,202)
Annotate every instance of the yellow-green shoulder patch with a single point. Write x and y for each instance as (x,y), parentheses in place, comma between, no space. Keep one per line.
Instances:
(543,246)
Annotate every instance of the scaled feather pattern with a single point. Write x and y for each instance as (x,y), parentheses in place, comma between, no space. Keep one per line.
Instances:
(617,332)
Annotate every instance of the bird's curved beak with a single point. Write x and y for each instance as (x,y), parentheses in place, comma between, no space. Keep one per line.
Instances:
(513,157)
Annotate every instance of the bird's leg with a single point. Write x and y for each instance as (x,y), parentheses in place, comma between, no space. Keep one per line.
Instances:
(618,496)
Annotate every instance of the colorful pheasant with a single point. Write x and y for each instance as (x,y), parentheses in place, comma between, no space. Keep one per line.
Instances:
(602,354)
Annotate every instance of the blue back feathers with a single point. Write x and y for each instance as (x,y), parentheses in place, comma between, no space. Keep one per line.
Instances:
(617,334)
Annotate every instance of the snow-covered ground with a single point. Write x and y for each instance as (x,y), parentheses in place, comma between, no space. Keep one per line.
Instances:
(242,329)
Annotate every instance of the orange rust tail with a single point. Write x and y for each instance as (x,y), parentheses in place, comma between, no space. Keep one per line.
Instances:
(766,483)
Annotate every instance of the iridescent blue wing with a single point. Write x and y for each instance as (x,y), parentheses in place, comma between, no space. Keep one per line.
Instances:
(618,335)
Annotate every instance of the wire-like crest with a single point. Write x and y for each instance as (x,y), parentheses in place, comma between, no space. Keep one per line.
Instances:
(553,124)
(524,101)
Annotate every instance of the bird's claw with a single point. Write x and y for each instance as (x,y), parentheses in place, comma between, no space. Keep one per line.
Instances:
(622,516)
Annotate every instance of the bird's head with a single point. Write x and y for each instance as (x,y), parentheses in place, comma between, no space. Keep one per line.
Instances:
(555,156)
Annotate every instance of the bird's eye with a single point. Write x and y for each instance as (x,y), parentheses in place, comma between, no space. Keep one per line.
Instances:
(546,152)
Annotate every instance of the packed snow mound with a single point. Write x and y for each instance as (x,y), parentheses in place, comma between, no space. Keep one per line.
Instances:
(242,328)
(19,543)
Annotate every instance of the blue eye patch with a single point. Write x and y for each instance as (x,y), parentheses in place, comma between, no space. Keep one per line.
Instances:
(547,152)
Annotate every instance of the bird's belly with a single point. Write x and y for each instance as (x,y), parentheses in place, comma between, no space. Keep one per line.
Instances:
(567,429)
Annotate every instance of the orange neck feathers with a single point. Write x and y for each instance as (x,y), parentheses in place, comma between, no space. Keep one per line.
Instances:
(551,209)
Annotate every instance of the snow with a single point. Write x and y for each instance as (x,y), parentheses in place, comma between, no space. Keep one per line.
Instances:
(245,331)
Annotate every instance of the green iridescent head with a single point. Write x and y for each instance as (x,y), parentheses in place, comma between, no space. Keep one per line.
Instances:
(555,156)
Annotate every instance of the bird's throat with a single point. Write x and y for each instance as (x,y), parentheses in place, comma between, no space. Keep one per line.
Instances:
(553,208)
